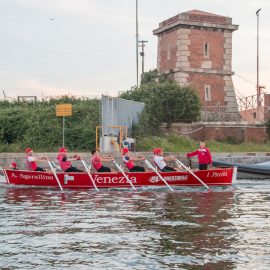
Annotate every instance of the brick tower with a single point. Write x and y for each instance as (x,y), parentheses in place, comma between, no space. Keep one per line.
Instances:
(197,47)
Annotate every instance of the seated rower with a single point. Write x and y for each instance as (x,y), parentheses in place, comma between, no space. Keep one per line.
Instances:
(97,161)
(31,161)
(128,160)
(159,160)
(64,161)
(13,165)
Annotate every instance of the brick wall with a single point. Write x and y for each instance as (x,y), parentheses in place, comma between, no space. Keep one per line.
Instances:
(167,51)
(182,43)
(215,41)
(266,107)
(198,81)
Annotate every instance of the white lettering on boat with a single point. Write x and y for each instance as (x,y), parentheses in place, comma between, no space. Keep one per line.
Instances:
(217,174)
(35,176)
(113,180)
(155,179)
(68,178)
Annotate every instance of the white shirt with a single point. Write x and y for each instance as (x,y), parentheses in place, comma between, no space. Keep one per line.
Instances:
(159,161)
(31,159)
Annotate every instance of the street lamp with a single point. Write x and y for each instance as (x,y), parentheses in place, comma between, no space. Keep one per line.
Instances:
(258,85)
(137,45)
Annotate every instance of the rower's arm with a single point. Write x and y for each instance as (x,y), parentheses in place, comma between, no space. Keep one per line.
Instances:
(138,158)
(169,158)
(107,158)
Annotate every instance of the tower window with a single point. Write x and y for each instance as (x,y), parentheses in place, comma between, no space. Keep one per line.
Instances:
(206,50)
(207,92)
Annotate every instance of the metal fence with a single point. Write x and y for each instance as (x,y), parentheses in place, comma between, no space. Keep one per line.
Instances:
(251,102)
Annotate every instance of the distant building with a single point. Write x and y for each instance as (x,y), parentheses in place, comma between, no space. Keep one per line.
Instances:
(196,47)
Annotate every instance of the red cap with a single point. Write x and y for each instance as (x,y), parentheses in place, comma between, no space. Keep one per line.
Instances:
(157,151)
(27,150)
(125,150)
(62,150)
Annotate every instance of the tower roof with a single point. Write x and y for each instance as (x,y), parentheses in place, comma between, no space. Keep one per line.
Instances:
(202,13)
(196,18)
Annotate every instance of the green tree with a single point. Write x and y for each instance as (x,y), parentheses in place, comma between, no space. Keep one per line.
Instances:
(150,77)
(153,76)
(165,102)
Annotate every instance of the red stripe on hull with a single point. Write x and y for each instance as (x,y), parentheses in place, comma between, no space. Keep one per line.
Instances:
(215,177)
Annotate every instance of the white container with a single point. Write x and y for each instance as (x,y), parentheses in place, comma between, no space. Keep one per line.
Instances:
(108,144)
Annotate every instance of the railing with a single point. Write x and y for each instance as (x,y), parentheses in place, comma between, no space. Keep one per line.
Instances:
(250,102)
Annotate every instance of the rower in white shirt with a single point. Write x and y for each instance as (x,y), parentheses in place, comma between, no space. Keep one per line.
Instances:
(159,160)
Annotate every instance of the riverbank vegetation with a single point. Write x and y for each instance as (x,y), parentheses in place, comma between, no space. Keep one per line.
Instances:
(35,125)
(176,143)
(165,102)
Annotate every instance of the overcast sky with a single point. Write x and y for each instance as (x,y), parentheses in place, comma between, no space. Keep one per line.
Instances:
(87,47)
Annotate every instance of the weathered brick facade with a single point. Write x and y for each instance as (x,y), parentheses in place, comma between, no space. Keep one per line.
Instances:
(220,132)
(197,47)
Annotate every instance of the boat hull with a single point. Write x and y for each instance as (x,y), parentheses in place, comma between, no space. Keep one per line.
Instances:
(251,176)
(215,177)
(246,171)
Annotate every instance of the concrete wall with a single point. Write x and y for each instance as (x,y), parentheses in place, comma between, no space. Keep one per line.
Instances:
(220,132)
(5,158)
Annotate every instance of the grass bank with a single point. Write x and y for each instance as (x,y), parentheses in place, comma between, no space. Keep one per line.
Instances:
(174,143)
(171,143)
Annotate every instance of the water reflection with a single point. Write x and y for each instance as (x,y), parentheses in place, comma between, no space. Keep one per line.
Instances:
(190,226)
(148,229)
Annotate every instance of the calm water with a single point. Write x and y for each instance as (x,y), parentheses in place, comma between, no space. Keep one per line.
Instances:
(228,228)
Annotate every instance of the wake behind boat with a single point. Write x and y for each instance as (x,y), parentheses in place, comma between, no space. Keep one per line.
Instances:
(248,167)
(82,180)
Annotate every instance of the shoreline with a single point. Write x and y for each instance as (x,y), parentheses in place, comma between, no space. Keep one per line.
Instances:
(6,158)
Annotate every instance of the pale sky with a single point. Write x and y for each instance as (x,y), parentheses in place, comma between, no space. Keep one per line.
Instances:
(87,47)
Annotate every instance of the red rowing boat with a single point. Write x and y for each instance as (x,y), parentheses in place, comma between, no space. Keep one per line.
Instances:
(213,177)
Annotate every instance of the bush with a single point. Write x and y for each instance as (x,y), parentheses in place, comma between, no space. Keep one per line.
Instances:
(35,125)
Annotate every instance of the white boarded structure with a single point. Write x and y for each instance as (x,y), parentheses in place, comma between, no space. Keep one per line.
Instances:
(117,112)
